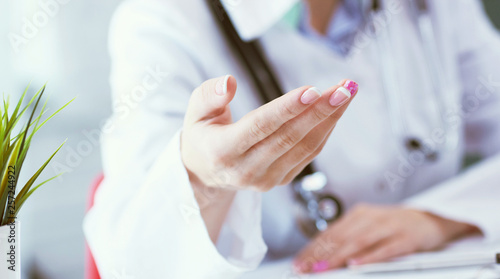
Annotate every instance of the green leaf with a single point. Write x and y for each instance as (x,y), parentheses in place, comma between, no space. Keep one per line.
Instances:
(19,103)
(30,182)
(25,147)
(25,197)
(15,116)
(52,115)
(5,178)
(37,127)
(14,149)
(28,141)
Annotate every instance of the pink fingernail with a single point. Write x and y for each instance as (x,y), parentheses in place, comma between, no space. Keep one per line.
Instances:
(339,97)
(320,266)
(311,95)
(221,86)
(352,87)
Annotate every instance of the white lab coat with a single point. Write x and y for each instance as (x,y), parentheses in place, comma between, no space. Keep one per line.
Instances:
(146,223)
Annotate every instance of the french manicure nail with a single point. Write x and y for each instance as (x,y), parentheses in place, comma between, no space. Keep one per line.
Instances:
(311,95)
(340,96)
(351,86)
(221,86)
(320,266)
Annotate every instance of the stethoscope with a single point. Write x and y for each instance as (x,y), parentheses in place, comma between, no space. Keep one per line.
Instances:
(316,209)
(413,144)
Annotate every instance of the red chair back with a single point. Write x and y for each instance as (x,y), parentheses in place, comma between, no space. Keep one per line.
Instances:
(91,271)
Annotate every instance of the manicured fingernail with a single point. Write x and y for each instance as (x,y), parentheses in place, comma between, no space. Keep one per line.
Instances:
(351,86)
(221,86)
(353,262)
(320,266)
(339,97)
(311,95)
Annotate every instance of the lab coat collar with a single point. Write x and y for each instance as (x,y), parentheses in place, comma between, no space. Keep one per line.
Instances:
(252,18)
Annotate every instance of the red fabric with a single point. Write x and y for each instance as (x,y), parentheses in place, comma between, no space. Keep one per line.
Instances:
(91,271)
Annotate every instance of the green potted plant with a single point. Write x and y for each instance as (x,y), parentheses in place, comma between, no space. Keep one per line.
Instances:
(14,147)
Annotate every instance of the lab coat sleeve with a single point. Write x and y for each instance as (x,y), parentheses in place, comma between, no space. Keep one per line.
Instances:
(474,196)
(146,222)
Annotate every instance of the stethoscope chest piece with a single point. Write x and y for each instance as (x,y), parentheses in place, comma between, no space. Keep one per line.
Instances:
(416,145)
(318,209)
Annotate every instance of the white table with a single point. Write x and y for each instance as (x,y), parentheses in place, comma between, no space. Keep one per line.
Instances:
(282,269)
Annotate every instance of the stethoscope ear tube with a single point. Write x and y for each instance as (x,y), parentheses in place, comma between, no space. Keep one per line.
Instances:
(410,143)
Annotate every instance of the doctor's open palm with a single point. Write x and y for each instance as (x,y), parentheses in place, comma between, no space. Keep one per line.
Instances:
(267,147)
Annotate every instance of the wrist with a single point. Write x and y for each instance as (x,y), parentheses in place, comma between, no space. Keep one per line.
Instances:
(214,204)
(207,196)
(452,229)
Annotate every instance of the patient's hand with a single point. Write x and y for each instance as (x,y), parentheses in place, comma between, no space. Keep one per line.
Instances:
(370,233)
(267,147)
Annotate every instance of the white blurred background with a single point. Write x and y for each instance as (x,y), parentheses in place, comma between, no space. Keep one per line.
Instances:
(64,43)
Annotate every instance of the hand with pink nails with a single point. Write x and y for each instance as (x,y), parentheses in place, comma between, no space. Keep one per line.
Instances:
(375,233)
(267,147)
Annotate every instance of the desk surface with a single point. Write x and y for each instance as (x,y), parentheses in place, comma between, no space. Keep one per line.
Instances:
(282,269)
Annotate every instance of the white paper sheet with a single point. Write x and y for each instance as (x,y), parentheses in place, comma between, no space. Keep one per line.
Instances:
(282,269)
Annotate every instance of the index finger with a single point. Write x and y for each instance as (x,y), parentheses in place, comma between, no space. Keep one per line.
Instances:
(264,121)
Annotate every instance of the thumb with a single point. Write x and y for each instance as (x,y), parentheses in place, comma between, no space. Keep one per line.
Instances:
(211,99)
